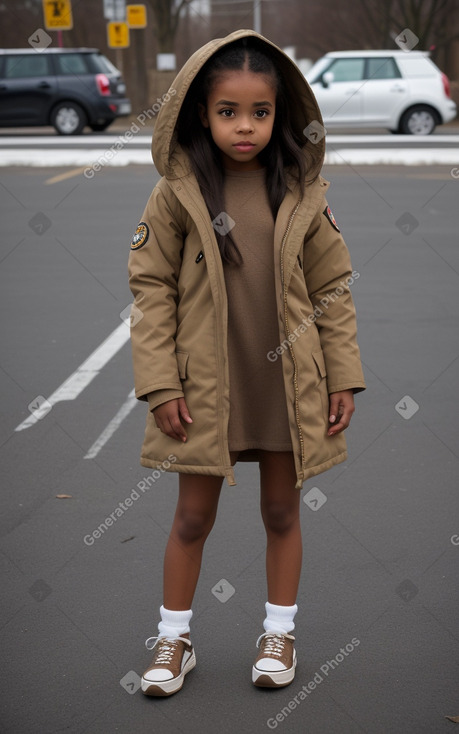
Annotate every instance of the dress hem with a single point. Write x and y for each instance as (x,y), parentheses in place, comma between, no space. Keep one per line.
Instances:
(258,446)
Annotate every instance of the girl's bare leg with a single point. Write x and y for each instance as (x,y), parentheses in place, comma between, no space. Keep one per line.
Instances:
(194,518)
(280,510)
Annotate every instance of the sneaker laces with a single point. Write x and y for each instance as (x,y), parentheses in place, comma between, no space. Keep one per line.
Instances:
(273,643)
(166,648)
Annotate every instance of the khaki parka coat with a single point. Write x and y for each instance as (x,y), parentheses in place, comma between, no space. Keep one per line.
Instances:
(179,322)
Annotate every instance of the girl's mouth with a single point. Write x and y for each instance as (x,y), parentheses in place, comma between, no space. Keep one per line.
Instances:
(244,146)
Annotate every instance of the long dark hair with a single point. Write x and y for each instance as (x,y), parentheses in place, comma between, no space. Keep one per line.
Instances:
(282,151)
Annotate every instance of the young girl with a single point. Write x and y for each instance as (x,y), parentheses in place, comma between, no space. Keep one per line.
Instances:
(244,343)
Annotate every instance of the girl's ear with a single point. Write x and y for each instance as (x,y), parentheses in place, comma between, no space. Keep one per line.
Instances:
(203,114)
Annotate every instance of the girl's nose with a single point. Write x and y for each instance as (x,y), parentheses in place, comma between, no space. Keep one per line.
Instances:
(245,125)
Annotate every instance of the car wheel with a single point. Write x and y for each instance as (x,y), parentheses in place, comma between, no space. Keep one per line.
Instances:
(98,127)
(68,118)
(418,120)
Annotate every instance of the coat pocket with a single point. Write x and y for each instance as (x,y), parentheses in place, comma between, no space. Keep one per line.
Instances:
(318,358)
(182,362)
(321,386)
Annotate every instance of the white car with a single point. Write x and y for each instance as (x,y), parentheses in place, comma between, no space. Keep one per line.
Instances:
(401,91)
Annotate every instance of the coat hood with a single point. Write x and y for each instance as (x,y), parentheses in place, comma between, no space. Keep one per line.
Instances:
(169,158)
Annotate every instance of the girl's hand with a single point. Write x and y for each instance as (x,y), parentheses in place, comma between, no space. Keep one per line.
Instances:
(168,415)
(341,410)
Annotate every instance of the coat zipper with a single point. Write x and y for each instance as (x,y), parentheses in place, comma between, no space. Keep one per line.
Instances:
(287,332)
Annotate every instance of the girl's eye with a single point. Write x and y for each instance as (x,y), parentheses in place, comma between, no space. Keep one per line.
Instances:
(226,113)
(261,114)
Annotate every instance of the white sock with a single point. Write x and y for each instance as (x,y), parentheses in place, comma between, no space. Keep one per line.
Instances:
(279,618)
(174,624)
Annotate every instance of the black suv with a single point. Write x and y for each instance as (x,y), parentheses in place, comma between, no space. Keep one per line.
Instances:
(66,88)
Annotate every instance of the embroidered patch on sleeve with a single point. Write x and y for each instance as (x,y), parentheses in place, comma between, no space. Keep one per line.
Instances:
(329,214)
(140,236)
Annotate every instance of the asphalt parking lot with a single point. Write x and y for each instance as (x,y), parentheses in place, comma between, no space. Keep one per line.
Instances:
(377,629)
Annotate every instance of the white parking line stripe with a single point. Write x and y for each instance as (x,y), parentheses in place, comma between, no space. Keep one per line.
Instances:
(87,159)
(391,156)
(83,375)
(411,140)
(57,141)
(47,158)
(113,426)
(61,142)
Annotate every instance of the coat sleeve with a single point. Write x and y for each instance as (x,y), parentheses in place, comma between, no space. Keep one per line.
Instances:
(154,268)
(329,275)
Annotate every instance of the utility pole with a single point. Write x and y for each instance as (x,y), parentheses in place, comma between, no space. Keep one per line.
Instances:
(257,16)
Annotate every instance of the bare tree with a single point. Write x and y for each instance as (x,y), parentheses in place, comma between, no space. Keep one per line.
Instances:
(319,26)
(166,14)
(425,18)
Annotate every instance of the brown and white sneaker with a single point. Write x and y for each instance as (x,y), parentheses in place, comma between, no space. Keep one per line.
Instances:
(173,659)
(276,661)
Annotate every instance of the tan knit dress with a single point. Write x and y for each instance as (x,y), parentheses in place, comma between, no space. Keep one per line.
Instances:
(258,410)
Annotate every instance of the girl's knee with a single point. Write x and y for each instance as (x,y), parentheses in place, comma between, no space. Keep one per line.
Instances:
(279,517)
(196,507)
(193,525)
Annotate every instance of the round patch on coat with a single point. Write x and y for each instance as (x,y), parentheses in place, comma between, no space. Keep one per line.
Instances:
(329,214)
(140,236)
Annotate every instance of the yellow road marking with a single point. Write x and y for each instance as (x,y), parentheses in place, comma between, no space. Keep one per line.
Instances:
(64,176)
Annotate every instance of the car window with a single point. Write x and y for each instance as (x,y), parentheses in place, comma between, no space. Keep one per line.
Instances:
(102,64)
(315,72)
(382,68)
(18,67)
(347,70)
(416,66)
(71,64)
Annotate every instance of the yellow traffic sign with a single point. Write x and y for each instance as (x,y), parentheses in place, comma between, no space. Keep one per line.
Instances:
(136,16)
(58,15)
(118,34)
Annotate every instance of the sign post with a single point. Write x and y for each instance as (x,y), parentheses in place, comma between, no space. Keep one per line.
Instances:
(117,36)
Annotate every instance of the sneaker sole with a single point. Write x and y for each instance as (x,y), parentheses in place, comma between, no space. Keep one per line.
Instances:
(273,679)
(168,687)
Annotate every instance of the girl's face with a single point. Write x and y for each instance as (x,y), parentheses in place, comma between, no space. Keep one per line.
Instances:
(240,114)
